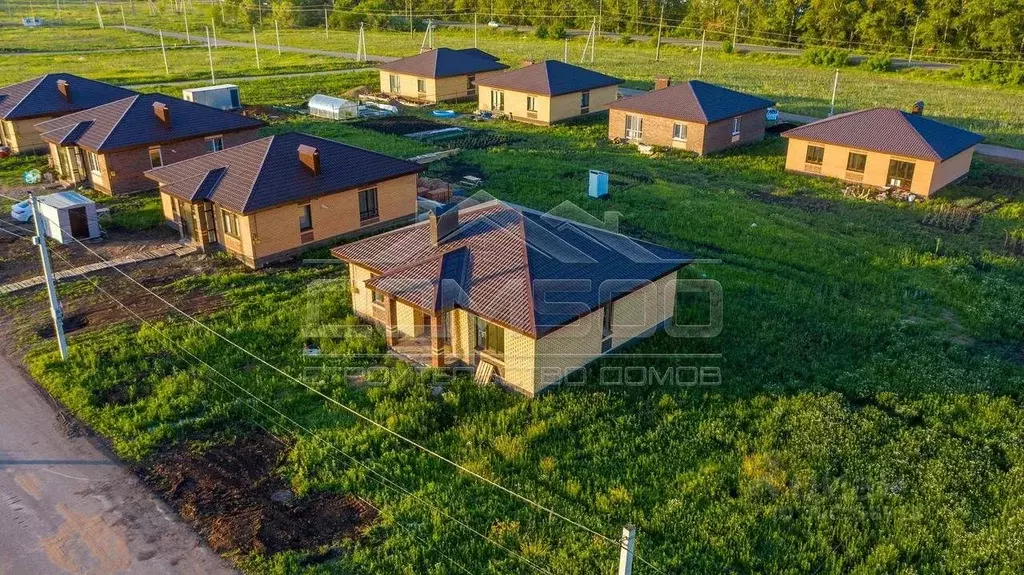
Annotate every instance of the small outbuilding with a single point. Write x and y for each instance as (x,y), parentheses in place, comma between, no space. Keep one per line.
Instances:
(69,216)
(332,108)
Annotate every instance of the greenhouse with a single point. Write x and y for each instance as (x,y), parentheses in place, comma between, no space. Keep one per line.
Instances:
(332,108)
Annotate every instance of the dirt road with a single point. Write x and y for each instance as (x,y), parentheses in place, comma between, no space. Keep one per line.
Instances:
(67,506)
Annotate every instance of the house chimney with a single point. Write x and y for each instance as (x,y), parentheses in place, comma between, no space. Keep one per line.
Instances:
(64,87)
(918,109)
(662,82)
(163,113)
(443,222)
(310,157)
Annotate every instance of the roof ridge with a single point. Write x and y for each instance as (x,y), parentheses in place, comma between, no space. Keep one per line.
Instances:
(121,117)
(259,170)
(28,92)
(700,105)
(529,276)
(904,116)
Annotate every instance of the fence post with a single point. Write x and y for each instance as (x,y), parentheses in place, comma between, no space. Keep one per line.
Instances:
(163,52)
(98,15)
(626,550)
(256,47)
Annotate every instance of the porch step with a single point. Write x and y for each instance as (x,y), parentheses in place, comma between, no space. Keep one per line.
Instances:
(484,372)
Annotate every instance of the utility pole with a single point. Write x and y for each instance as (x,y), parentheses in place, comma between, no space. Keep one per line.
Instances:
(700,65)
(98,15)
(213,23)
(913,40)
(736,25)
(474,32)
(626,550)
(565,52)
(188,37)
(327,29)
(408,5)
(661,22)
(256,47)
(361,45)
(51,289)
(163,52)
(277,34)
(209,51)
(835,87)
(124,22)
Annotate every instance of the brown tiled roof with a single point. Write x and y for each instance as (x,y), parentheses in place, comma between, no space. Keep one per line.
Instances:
(444,63)
(889,131)
(39,97)
(549,78)
(522,269)
(692,101)
(267,172)
(131,122)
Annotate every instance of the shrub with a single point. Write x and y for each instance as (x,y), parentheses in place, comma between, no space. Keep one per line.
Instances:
(558,31)
(541,31)
(993,72)
(832,57)
(727,47)
(879,63)
(625,39)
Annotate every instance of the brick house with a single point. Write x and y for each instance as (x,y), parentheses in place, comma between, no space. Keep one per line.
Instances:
(110,146)
(272,198)
(883,147)
(25,104)
(514,294)
(438,75)
(694,116)
(547,92)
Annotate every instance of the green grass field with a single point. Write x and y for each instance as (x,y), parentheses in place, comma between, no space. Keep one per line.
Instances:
(868,419)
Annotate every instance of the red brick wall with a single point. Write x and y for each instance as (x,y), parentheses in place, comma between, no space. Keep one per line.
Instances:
(123,170)
(700,138)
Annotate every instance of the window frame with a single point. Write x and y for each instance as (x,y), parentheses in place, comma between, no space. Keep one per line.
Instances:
(634,133)
(365,210)
(585,99)
(376,298)
(818,159)
(737,125)
(608,319)
(94,162)
(863,163)
(214,143)
(490,338)
(159,156)
(305,212)
(680,127)
(229,223)
(421,86)
(531,103)
(498,100)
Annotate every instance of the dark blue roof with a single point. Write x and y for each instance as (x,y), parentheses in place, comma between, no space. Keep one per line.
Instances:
(549,78)
(693,101)
(39,97)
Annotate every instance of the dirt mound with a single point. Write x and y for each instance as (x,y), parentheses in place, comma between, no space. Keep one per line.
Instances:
(231,494)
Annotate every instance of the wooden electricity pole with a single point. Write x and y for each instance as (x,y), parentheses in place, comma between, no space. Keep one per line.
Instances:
(51,288)
(661,22)
(626,550)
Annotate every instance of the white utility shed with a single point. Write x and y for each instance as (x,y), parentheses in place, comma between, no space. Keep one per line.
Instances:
(67,215)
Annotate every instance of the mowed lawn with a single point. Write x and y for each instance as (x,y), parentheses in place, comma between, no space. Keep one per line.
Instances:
(868,417)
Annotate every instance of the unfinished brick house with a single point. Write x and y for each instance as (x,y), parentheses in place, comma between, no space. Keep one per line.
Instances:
(547,92)
(438,75)
(272,198)
(519,296)
(694,116)
(25,104)
(110,146)
(883,147)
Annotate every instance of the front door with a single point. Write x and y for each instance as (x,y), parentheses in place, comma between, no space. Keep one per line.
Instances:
(188,224)
(79,222)
(901,174)
(497,100)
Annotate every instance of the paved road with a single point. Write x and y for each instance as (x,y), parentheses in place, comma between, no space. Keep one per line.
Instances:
(66,506)
(220,42)
(230,79)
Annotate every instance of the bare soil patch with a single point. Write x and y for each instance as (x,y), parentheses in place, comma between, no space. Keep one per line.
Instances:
(233,497)
(400,125)
(800,202)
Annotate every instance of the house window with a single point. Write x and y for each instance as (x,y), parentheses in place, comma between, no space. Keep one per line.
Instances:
(156,158)
(634,127)
(497,100)
(856,162)
(94,163)
(606,322)
(901,174)
(531,104)
(305,218)
(815,155)
(215,144)
(736,125)
(679,132)
(489,337)
(230,222)
(585,99)
(395,83)
(471,84)
(368,204)
(421,85)
(376,297)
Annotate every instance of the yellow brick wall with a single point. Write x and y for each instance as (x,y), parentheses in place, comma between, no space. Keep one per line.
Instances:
(638,312)
(952,169)
(520,362)
(875,172)
(405,319)
(549,109)
(567,348)
(461,335)
(362,298)
(23,135)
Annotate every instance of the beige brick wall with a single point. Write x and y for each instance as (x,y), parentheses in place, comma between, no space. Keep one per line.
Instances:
(461,335)
(549,109)
(952,169)
(875,172)
(567,349)
(22,136)
(436,89)
(519,369)
(405,320)
(121,171)
(362,297)
(700,138)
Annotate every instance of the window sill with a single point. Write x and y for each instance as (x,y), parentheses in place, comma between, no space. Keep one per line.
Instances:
(491,356)
(369,221)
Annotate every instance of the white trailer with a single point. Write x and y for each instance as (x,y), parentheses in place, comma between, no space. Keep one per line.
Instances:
(222,97)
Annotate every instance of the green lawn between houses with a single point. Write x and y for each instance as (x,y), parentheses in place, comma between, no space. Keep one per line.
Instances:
(868,420)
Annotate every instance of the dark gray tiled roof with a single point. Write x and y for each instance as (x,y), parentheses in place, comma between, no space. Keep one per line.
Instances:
(693,101)
(444,63)
(890,131)
(549,78)
(267,172)
(131,122)
(39,97)
(525,270)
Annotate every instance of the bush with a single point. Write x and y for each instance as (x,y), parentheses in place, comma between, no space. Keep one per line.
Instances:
(541,31)
(993,72)
(625,40)
(558,31)
(831,57)
(727,47)
(879,63)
